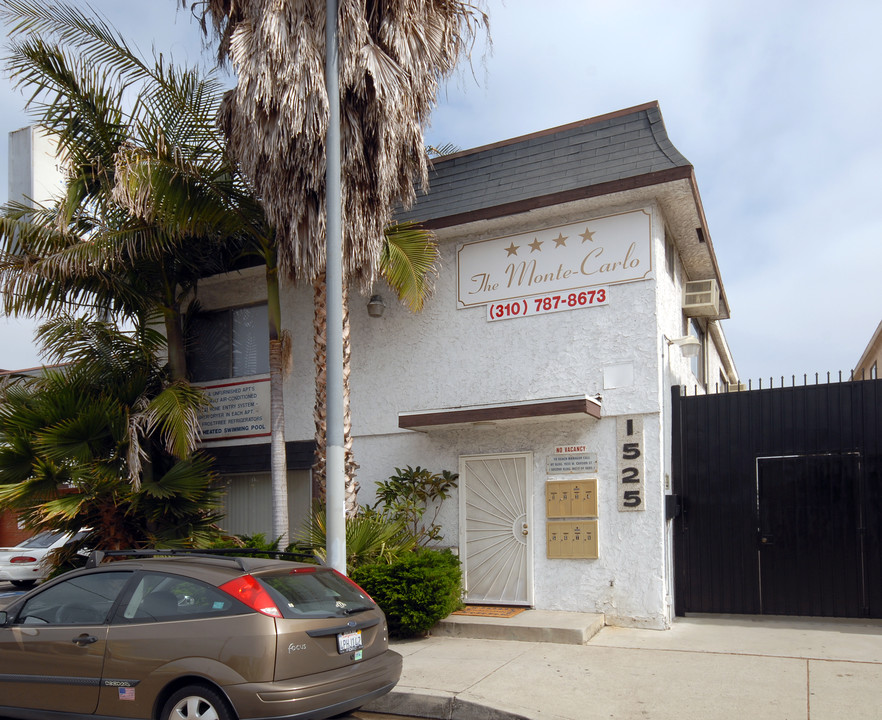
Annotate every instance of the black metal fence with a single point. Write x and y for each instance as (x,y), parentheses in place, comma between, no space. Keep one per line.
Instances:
(781,498)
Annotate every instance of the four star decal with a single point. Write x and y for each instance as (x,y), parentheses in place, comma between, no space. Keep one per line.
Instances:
(559,241)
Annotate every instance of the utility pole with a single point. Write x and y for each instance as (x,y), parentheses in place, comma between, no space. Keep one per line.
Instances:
(335,478)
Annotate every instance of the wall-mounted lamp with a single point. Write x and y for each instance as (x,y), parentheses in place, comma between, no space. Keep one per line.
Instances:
(689,346)
(376,306)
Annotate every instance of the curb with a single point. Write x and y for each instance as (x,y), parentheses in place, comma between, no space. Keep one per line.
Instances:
(437,706)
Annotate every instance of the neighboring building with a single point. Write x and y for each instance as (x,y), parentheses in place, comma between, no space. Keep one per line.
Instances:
(35,174)
(576,266)
(867,367)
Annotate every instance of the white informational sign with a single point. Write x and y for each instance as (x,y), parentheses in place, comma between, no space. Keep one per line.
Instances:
(544,304)
(556,262)
(238,410)
(629,448)
(575,461)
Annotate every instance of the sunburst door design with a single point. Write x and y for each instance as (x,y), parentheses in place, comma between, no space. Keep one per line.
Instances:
(496,526)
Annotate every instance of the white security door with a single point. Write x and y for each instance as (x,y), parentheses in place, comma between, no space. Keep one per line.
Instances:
(495,530)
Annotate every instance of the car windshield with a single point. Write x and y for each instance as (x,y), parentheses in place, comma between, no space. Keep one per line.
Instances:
(43,540)
(318,593)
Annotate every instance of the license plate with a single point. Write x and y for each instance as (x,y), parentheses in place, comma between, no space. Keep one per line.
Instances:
(349,642)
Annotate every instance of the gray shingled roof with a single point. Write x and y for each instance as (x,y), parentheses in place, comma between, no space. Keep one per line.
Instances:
(626,144)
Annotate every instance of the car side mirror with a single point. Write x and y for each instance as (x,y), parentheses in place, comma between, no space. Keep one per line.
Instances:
(3,618)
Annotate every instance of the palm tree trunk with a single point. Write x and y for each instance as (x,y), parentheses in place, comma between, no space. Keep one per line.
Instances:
(319,411)
(320,340)
(174,334)
(278,463)
(350,466)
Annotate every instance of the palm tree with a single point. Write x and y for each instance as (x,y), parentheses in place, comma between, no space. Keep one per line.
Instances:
(392,59)
(153,201)
(150,204)
(106,442)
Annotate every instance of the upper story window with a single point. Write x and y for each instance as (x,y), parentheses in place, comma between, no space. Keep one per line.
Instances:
(670,256)
(229,343)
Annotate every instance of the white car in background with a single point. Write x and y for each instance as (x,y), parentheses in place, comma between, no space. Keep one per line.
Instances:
(23,564)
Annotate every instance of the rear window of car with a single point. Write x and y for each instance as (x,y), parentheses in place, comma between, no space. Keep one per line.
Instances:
(43,540)
(315,593)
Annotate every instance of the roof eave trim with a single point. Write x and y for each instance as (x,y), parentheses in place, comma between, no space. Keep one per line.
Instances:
(702,218)
(868,351)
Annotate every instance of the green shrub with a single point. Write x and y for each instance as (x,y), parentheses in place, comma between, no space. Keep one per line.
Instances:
(370,537)
(410,493)
(415,591)
(257,541)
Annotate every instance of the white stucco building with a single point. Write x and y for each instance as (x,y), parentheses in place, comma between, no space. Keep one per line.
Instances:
(540,369)
(35,174)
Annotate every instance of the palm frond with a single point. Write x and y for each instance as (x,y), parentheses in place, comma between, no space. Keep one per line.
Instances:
(409,263)
(93,35)
(370,537)
(442,150)
(175,411)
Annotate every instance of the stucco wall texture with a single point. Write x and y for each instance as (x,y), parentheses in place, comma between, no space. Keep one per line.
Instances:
(446,357)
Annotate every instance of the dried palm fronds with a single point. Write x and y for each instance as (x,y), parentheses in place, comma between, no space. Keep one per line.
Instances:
(392,56)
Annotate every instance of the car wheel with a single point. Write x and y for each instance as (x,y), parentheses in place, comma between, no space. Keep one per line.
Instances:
(23,584)
(196,702)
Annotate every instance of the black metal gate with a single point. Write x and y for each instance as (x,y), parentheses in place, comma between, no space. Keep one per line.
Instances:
(781,497)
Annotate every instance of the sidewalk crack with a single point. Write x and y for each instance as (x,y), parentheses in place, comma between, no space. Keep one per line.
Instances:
(808,691)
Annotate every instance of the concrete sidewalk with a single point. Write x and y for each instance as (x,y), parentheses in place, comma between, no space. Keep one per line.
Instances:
(708,668)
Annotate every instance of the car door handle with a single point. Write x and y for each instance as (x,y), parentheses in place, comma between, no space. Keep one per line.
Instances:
(83,640)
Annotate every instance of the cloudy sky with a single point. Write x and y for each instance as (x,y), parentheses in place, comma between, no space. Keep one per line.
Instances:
(776,104)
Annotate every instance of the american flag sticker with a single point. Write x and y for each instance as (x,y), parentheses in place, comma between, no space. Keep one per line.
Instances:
(127,693)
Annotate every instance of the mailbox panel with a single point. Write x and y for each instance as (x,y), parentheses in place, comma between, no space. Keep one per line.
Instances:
(571,498)
(576,539)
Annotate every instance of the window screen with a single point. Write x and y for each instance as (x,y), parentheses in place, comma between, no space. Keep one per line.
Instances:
(229,343)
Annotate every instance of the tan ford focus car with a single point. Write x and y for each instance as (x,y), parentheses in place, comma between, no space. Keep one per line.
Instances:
(194,636)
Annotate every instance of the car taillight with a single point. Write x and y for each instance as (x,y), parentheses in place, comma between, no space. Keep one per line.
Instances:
(354,584)
(247,590)
(22,559)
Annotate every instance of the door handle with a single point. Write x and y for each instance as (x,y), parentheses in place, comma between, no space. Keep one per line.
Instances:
(83,640)
(525,531)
